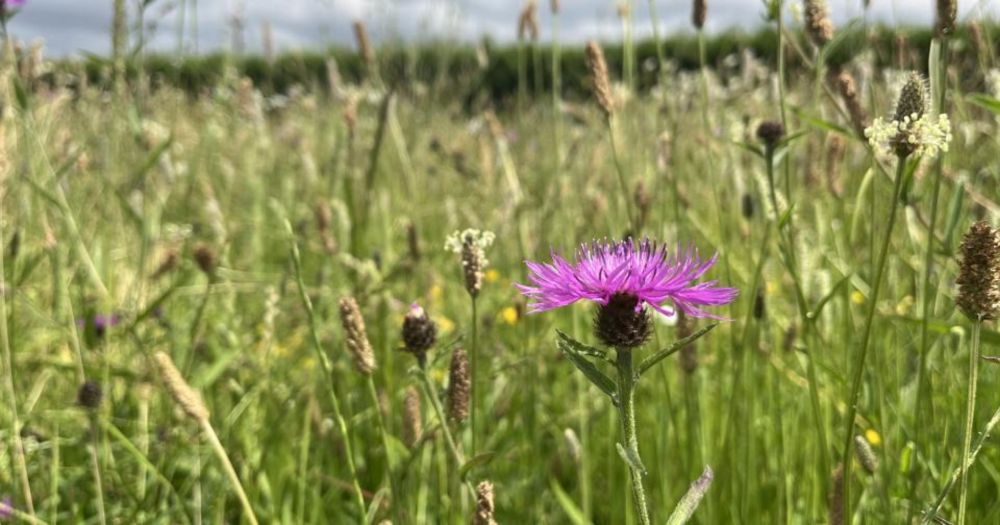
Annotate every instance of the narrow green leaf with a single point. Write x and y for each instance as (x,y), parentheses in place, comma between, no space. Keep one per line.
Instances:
(598,378)
(689,503)
(824,125)
(572,511)
(631,458)
(986,102)
(581,348)
(651,361)
(480,460)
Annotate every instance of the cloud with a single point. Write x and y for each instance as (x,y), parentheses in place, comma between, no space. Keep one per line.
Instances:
(70,26)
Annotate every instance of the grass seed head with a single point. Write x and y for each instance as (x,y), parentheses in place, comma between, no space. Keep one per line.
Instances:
(835,498)
(699,13)
(849,92)
(413,424)
(946,13)
(866,456)
(599,76)
(484,504)
(355,336)
(817,22)
(186,397)
(364,44)
(979,273)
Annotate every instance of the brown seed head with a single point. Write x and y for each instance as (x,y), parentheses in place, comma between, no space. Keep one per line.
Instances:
(459,386)
(364,44)
(206,258)
(599,76)
(699,13)
(527,22)
(817,22)
(355,336)
(770,132)
(413,241)
(835,498)
(849,92)
(185,396)
(413,425)
(484,504)
(835,149)
(979,273)
(946,12)
(912,98)
(866,456)
(89,395)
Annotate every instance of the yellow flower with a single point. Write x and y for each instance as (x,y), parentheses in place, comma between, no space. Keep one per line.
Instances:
(436,293)
(492,276)
(509,315)
(445,325)
(857,297)
(770,288)
(872,436)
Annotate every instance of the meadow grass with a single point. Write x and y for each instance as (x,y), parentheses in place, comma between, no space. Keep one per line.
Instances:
(223,229)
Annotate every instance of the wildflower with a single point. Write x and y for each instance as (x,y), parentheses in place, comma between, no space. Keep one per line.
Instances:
(873,437)
(99,324)
(419,332)
(509,315)
(770,133)
(623,278)
(857,297)
(471,245)
(6,508)
(911,131)
(8,8)
(491,276)
(356,336)
(979,273)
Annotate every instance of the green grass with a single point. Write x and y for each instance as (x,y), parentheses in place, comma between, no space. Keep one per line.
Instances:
(99,187)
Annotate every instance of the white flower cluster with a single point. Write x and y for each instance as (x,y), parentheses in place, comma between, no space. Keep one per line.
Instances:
(926,134)
(475,238)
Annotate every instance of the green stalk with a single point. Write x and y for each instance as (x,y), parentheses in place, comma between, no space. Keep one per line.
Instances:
(620,171)
(324,360)
(475,375)
(970,415)
(859,369)
(626,414)
(384,434)
(227,466)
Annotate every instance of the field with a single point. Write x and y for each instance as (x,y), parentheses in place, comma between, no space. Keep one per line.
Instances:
(177,347)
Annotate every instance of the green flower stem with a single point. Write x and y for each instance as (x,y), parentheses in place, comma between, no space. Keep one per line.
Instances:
(626,414)
(620,170)
(475,375)
(859,368)
(970,415)
(384,434)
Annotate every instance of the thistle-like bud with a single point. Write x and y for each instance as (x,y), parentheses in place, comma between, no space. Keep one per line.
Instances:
(618,324)
(946,12)
(849,92)
(413,241)
(459,386)
(698,13)
(599,76)
(770,132)
(866,456)
(186,397)
(484,504)
(979,273)
(747,206)
(355,336)
(413,424)
(835,498)
(89,395)
(419,333)
(206,259)
(817,22)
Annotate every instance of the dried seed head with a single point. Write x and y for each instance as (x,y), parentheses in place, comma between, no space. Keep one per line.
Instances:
(185,396)
(324,220)
(419,332)
(689,354)
(770,132)
(747,206)
(599,76)
(170,261)
(699,13)
(459,386)
(89,395)
(946,12)
(527,22)
(355,336)
(413,424)
(364,44)
(206,258)
(413,241)
(866,456)
(484,504)
(759,306)
(835,498)
(620,325)
(849,92)
(817,22)
(978,41)
(979,273)
(14,245)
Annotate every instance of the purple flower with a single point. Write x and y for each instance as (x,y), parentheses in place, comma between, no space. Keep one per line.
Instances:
(6,508)
(100,323)
(637,273)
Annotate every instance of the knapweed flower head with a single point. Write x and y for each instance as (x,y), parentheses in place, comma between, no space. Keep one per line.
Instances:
(6,508)
(623,278)
(912,130)
(471,244)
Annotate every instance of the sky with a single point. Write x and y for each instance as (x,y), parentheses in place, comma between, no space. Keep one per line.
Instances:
(75,27)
